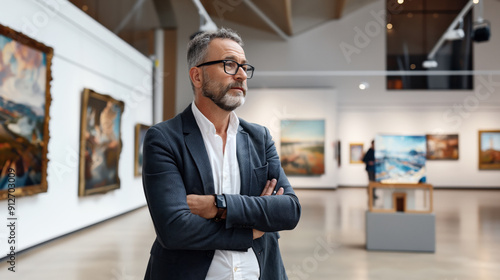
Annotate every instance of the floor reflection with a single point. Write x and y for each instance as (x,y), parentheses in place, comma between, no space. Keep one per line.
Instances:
(467,237)
(328,243)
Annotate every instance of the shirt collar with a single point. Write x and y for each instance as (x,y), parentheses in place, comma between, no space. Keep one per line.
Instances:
(207,127)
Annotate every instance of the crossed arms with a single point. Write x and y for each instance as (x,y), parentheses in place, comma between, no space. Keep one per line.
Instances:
(184,221)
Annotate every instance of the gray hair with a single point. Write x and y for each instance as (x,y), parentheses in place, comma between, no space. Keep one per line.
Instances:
(198,46)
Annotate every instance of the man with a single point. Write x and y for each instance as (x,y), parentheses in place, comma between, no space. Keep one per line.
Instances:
(369,160)
(214,185)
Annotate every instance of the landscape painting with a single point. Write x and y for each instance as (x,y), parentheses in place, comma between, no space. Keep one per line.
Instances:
(303,147)
(400,159)
(100,143)
(442,146)
(489,149)
(24,113)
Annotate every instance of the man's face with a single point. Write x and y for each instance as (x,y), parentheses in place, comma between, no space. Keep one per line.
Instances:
(226,91)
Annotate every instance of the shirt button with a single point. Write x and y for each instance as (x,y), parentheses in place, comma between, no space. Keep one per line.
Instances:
(235,269)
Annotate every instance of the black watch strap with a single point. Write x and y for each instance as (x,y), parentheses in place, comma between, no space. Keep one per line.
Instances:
(220,203)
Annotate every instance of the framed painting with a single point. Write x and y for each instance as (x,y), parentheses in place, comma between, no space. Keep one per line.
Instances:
(140,132)
(489,149)
(400,159)
(100,143)
(356,153)
(442,147)
(303,147)
(336,151)
(25,98)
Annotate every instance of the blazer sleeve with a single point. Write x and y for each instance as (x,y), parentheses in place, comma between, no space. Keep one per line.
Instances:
(176,227)
(266,213)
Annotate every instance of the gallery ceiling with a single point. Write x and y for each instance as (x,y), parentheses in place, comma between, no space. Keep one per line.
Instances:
(133,20)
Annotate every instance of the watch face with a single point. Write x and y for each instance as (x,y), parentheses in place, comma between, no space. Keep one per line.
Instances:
(221,201)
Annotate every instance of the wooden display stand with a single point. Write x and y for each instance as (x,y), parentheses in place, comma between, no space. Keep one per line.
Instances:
(399,198)
(392,229)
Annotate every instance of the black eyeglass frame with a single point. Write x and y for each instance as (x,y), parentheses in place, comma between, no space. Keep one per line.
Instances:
(230,60)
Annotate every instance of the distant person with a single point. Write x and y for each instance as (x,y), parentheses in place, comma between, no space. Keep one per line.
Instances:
(369,160)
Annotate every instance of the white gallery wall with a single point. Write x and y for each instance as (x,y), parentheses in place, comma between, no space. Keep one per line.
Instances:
(318,58)
(86,55)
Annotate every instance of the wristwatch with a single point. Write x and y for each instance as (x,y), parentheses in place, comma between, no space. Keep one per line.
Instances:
(220,203)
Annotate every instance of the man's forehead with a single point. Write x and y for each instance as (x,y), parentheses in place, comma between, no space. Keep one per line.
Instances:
(226,49)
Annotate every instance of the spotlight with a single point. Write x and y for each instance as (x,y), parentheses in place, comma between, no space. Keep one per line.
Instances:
(430,64)
(364,85)
(482,31)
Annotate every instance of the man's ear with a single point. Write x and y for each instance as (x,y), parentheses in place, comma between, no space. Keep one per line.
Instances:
(196,77)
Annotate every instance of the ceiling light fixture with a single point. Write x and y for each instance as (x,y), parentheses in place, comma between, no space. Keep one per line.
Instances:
(364,85)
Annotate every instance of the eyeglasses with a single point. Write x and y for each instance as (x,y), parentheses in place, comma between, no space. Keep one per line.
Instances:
(231,67)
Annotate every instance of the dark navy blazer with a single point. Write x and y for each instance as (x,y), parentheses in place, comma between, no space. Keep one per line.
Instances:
(176,164)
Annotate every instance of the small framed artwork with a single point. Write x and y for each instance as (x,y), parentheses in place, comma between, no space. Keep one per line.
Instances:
(442,147)
(489,149)
(100,143)
(25,75)
(356,152)
(140,132)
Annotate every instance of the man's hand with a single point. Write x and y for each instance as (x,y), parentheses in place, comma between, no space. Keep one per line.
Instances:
(202,205)
(269,188)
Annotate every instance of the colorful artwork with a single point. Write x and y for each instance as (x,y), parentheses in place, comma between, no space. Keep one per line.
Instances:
(356,152)
(140,132)
(303,147)
(400,159)
(24,113)
(442,146)
(101,144)
(489,149)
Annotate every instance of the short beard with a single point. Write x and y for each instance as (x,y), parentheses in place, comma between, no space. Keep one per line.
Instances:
(223,100)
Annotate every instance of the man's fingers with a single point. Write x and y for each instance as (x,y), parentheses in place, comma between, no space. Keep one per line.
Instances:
(269,188)
(280,191)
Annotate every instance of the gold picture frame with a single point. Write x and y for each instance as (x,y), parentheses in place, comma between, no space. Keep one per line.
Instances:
(140,132)
(24,113)
(100,143)
(489,149)
(356,153)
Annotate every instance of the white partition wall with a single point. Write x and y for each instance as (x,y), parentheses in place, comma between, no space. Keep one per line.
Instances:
(86,55)
(269,106)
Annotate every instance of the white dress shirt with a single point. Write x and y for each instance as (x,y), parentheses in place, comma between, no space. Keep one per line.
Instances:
(226,264)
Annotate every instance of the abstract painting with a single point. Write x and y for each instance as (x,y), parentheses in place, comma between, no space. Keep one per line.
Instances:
(400,159)
(489,149)
(24,113)
(442,146)
(303,147)
(100,143)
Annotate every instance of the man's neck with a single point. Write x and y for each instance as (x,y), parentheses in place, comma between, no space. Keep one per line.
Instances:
(218,117)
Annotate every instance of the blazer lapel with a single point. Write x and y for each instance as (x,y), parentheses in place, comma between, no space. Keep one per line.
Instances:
(196,146)
(243,155)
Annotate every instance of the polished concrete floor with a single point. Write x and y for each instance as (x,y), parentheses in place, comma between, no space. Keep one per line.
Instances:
(328,243)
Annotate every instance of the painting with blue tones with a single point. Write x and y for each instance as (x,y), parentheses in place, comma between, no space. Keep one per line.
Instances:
(400,159)
(24,113)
